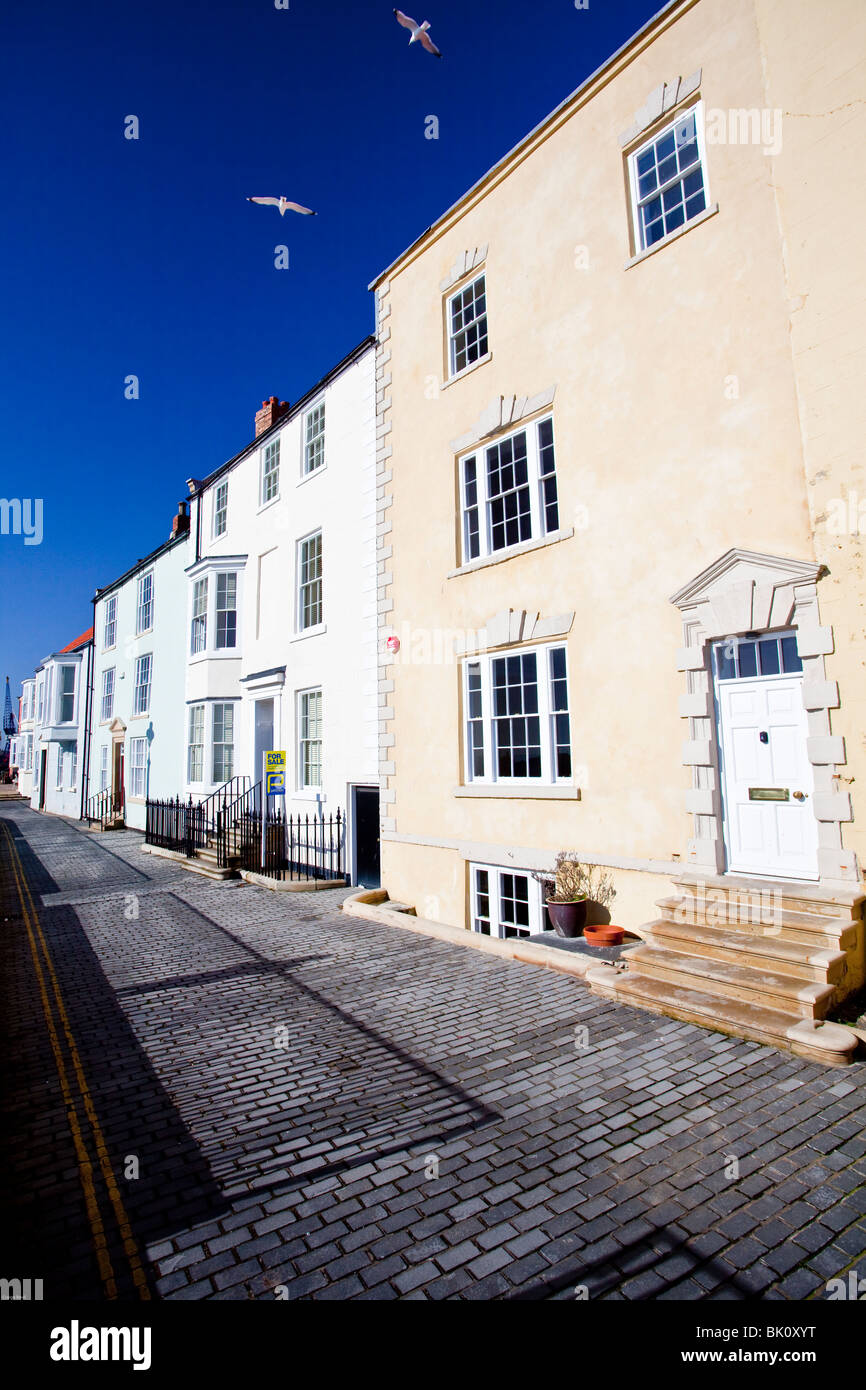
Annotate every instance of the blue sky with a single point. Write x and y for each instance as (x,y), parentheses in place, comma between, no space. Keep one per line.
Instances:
(142,257)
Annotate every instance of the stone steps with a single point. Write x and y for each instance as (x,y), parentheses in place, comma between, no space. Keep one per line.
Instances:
(790,993)
(821,1042)
(744,948)
(764,960)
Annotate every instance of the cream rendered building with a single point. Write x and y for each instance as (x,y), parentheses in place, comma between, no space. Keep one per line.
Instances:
(620,428)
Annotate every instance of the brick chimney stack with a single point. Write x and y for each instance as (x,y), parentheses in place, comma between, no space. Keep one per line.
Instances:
(180,524)
(272,410)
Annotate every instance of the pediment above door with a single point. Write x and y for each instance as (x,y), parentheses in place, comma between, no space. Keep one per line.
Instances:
(745,591)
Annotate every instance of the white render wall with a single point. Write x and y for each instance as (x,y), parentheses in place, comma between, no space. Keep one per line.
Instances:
(25,731)
(261,544)
(59,740)
(163,725)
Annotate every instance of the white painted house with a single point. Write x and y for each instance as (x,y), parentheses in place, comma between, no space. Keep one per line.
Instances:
(281,608)
(137,740)
(21,752)
(60,696)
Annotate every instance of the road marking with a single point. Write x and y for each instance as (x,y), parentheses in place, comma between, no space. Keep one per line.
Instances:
(130,1246)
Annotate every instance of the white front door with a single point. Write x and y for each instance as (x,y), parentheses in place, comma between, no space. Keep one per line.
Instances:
(767,786)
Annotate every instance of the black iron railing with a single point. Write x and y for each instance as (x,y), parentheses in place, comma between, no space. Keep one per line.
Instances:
(175,824)
(102,808)
(293,847)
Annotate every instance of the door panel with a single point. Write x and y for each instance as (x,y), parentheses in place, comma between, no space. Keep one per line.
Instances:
(762,737)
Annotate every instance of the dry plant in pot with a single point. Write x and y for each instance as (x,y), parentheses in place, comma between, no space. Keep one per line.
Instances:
(578,887)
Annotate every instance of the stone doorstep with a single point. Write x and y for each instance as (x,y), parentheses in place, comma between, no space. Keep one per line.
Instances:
(829,1043)
(802,926)
(295,885)
(746,983)
(813,896)
(372,905)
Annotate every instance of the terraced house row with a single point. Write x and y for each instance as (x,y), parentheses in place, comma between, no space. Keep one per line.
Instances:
(600,540)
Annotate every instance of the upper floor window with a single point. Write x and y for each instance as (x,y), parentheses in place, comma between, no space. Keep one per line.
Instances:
(310,581)
(271,471)
(198,631)
(107,707)
(27,703)
(226,610)
(467,326)
(516,717)
(40,697)
(509,493)
(109,622)
(667,180)
(66,695)
(141,688)
(314,438)
(220,508)
(144,607)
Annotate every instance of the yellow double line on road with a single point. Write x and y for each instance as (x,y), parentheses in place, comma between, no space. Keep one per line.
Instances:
(37,940)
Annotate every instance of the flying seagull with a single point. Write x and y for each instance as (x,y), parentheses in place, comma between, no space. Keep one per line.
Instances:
(419,31)
(284,206)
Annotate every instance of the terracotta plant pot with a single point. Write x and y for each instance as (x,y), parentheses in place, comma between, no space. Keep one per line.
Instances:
(567,919)
(603,936)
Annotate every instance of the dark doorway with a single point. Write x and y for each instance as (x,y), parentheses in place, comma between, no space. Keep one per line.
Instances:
(366,837)
(43,777)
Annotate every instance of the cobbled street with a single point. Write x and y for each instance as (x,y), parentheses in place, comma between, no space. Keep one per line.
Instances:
(212,1091)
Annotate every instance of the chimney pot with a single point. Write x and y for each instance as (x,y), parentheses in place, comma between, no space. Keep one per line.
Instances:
(272,410)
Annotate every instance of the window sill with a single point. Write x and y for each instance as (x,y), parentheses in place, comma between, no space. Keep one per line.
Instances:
(265,506)
(502,790)
(672,236)
(458,376)
(145,632)
(510,551)
(214,654)
(315,631)
(313,473)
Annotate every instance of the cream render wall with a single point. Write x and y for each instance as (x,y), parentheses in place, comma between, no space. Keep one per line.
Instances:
(677,418)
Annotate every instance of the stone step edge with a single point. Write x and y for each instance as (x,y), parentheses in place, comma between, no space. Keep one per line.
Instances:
(719,939)
(794,889)
(648,960)
(813,923)
(815,1038)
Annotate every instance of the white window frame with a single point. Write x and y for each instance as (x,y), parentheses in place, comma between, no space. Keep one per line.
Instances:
(64,694)
(546,716)
(103,768)
(225,576)
(142,685)
(498,928)
(40,700)
(301,742)
(73,768)
(223,743)
(109,623)
(269,451)
(144,603)
(640,246)
(58,785)
(28,753)
(302,585)
(137,765)
(453,369)
(221,508)
(483,503)
(198,626)
(315,442)
(106,706)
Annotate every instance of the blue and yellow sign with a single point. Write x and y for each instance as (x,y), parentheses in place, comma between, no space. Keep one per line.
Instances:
(275,773)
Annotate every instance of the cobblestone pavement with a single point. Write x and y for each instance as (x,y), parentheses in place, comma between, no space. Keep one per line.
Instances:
(318,1106)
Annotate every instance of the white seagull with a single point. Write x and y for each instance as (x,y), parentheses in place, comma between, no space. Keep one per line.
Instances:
(284,206)
(419,31)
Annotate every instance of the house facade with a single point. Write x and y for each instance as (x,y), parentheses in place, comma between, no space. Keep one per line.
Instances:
(620,577)
(281,621)
(61,690)
(136,744)
(21,753)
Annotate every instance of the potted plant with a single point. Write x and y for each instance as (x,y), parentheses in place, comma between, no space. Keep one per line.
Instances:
(577,887)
